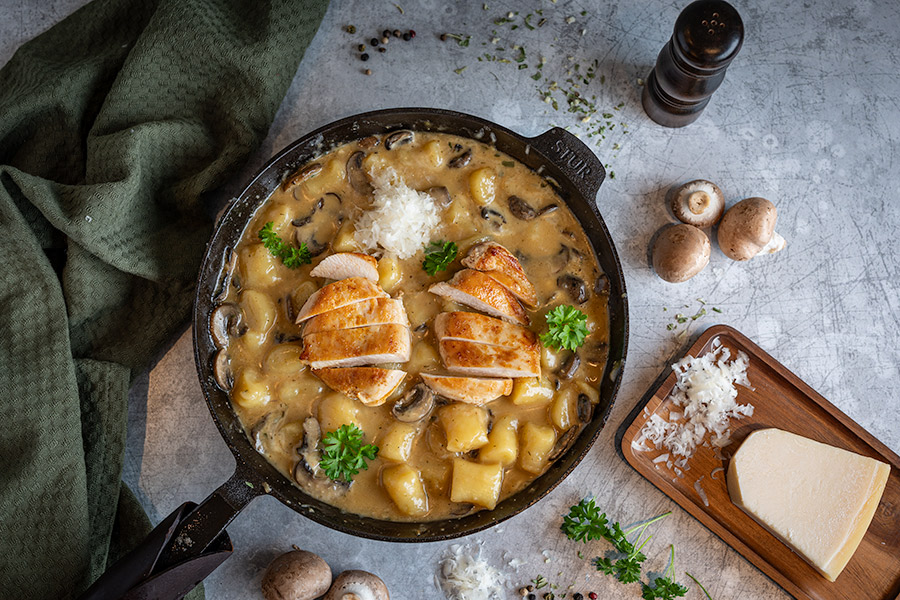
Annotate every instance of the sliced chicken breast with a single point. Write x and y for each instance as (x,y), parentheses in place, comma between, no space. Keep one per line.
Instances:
(472,390)
(499,263)
(347,264)
(474,327)
(482,360)
(355,347)
(338,294)
(481,292)
(375,311)
(369,385)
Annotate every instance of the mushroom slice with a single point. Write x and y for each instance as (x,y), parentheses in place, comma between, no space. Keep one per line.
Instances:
(564,442)
(569,366)
(699,203)
(415,405)
(503,267)
(748,229)
(680,252)
(482,292)
(575,286)
(307,467)
(347,264)
(376,311)
(357,585)
(398,138)
(222,371)
(225,322)
(338,294)
(461,160)
(472,390)
(355,174)
(369,385)
(496,219)
(355,347)
(301,175)
(262,428)
(585,408)
(520,209)
(483,329)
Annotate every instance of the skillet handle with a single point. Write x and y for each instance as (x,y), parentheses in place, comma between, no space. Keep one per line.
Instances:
(573,158)
(181,551)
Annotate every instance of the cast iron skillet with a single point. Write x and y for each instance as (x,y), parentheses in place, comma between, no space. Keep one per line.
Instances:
(197,534)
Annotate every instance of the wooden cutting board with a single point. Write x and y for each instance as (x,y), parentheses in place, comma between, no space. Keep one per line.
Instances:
(781,400)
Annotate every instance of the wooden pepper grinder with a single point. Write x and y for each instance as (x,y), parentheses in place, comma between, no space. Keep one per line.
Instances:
(708,35)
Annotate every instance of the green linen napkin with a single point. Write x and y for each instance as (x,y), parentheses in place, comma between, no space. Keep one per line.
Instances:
(114,124)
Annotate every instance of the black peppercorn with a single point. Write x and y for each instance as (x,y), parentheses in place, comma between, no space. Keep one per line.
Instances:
(373,42)
(532,597)
(386,33)
(406,37)
(364,57)
(577,596)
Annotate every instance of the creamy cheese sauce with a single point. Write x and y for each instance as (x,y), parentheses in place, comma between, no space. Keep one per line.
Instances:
(273,392)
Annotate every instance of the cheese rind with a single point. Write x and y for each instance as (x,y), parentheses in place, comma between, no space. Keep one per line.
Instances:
(817,499)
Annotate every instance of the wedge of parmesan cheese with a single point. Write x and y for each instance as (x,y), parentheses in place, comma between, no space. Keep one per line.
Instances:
(817,499)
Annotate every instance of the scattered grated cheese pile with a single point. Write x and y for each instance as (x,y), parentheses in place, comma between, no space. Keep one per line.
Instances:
(401,219)
(705,390)
(464,576)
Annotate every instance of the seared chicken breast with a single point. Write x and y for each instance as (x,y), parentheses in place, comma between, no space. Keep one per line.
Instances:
(482,292)
(499,263)
(482,360)
(472,390)
(338,294)
(369,385)
(354,347)
(375,311)
(347,264)
(474,327)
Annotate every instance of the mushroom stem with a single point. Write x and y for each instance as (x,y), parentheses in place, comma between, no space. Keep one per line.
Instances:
(776,244)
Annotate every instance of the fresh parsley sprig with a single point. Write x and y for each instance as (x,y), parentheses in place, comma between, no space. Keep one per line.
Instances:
(438,256)
(567,328)
(585,522)
(291,256)
(665,587)
(344,454)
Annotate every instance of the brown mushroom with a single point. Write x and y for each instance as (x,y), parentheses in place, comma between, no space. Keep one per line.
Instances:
(699,203)
(357,585)
(748,229)
(680,252)
(296,575)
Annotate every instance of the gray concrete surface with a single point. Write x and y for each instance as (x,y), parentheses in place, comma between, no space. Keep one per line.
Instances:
(808,117)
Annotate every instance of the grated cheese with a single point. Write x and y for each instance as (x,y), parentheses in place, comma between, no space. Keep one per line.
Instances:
(700,491)
(401,220)
(705,389)
(466,576)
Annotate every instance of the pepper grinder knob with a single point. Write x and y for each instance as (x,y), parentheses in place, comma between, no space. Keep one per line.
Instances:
(708,35)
